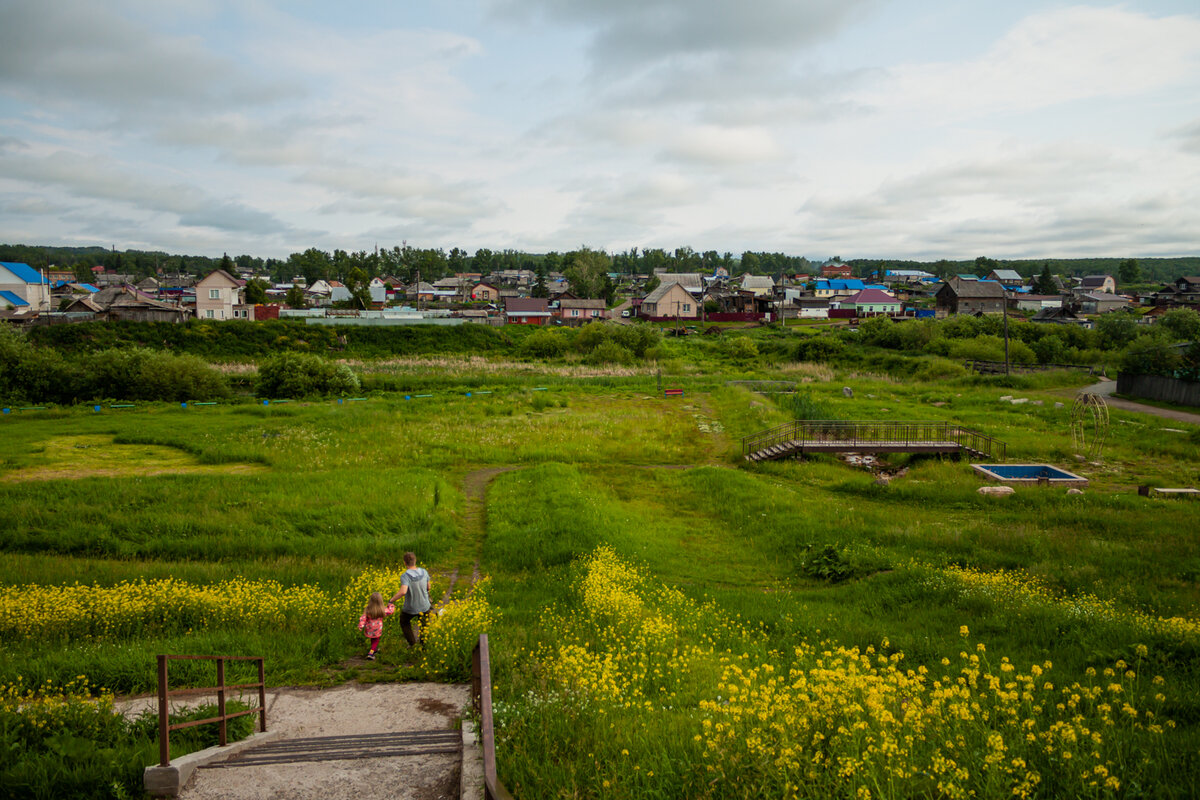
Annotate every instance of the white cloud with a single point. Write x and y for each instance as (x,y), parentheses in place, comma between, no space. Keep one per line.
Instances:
(1052,58)
(710,144)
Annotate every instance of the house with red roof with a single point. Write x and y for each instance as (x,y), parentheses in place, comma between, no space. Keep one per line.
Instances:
(870,302)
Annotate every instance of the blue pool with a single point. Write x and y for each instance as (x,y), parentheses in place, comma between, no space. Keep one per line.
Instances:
(1029,473)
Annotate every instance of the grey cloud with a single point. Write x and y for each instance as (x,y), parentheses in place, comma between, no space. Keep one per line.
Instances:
(32,206)
(84,51)
(1043,177)
(630,32)
(1054,200)
(731,62)
(246,142)
(363,190)
(99,180)
(1188,137)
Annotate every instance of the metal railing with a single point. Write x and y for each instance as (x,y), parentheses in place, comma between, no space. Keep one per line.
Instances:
(165,694)
(846,435)
(999,367)
(481,694)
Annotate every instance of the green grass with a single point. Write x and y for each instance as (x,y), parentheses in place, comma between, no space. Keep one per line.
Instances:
(313,493)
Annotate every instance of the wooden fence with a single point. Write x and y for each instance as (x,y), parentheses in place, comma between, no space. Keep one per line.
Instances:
(1158,387)
(481,694)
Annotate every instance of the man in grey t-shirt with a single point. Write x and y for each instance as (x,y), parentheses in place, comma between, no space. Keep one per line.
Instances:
(414,588)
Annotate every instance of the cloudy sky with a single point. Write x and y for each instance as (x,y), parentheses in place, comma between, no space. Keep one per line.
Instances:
(860,128)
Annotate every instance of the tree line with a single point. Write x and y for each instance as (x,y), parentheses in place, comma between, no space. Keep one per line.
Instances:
(407,263)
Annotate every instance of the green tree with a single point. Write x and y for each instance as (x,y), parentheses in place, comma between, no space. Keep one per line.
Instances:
(295,297)
(482,261)
(1116,329)
(1181,324)
(1129,271)
(587,272)
(1044,282)
(313,264)
(256,291)
(360,289)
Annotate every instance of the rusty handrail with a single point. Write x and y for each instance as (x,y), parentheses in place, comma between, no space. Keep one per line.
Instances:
(481,694)
(164,694)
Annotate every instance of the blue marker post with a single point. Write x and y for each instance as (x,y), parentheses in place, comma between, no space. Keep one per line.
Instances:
(7,410)
(183,406)
(266,402)
(96,409)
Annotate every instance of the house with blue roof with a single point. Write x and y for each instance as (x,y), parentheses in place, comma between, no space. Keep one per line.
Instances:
(10,300)
(838,287)
(26,283)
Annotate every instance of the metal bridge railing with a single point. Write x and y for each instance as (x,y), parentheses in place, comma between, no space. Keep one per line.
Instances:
(851,433)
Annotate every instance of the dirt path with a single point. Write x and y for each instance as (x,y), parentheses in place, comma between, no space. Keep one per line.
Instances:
(361,742)
(1107,387)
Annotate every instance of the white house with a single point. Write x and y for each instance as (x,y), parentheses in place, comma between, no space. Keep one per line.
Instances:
(378,290)
(216,295)
(26,283)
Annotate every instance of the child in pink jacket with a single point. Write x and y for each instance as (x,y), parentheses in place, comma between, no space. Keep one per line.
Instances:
(371,622)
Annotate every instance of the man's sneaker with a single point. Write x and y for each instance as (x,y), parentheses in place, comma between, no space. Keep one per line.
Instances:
(370,656)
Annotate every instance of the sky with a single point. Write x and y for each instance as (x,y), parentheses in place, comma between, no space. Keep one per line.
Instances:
(909,129)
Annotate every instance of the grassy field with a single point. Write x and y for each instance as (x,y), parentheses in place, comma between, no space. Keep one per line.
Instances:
(666,620)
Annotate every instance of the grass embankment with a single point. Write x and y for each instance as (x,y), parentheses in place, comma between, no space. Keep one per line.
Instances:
(264,552)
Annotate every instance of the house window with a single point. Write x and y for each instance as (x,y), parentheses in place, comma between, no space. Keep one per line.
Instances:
(595,313)
(574,312)
(209,313)
(214,294)
(687,307)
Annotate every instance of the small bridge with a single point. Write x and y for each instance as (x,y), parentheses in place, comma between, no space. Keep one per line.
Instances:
(836,436)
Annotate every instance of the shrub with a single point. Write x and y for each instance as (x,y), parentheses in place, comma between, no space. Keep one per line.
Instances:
(743,350)
(609,352)
(544,343)
(139,374)
(822,349)
(804,406)
(304,375)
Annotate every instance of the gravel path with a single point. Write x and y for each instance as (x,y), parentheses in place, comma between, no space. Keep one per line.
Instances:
(349,710)
(1106,388)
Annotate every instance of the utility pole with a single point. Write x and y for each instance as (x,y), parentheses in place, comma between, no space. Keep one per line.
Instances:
(1004,300)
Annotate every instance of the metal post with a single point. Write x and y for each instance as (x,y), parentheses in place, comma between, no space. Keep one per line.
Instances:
(164,715)
(221,726)
(1004,294)
(262,696)
(476,677)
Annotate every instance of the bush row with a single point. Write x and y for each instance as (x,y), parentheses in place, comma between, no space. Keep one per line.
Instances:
(44,375)
(232,339)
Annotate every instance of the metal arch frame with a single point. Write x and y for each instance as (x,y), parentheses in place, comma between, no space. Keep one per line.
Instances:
(1090,411)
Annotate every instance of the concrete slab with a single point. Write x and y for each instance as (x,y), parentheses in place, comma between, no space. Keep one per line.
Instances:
(168,781)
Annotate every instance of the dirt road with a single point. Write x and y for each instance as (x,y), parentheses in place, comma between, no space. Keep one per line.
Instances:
(1105,388)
